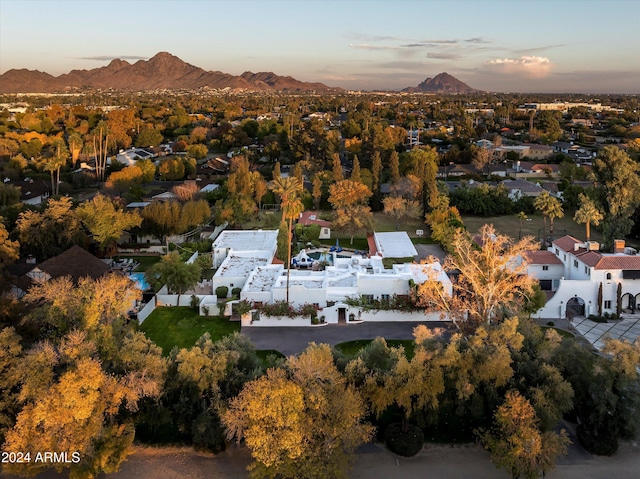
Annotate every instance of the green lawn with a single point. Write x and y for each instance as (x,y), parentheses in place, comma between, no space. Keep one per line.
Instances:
(509,225)
(384,222)
(182,326)
(145,261)
(351,348)
(358,243)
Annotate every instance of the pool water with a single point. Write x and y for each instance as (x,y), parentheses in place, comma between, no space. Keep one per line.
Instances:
(317,255)
(141,282)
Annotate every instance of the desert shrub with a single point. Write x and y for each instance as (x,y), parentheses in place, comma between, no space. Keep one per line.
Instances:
(603,444)
(222,291)
(408,443)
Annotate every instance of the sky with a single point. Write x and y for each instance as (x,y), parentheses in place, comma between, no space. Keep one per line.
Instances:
(555,46)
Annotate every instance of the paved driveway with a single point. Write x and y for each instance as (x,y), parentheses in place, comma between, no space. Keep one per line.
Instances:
(293,340)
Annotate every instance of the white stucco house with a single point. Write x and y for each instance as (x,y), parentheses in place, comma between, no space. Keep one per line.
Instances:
(244,259)
(582,269)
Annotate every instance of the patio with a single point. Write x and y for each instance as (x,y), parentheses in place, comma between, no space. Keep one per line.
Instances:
(627,329)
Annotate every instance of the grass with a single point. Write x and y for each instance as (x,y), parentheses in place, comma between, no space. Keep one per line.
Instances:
(510,226)
(182,327)
(384,222)
(351,348)
(358,243)
(145,262)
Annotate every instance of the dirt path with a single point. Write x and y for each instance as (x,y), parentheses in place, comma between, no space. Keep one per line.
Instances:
(372,462)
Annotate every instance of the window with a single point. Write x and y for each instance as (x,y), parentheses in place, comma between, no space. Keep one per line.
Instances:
(607,305)
(384,297)
(557,252)
(565,257)
(575,263)
(608,275)
(367,298)
(545,268)
(586,270)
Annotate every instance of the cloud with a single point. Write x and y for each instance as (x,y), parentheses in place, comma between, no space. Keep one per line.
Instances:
(529,66)
(108,58)
(528,51)
(441,42)
(367,46)
(477,40)
(444,56)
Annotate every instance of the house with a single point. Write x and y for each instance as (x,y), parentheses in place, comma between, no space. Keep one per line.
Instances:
(584,272)
(546,169)
(130,156)
(32,192)
(245,260)
(519,188)
(539,152)
(312,218)
(394,244)
(76,263)
(546,267)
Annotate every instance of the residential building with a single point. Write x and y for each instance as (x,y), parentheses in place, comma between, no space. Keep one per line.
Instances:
(584,271)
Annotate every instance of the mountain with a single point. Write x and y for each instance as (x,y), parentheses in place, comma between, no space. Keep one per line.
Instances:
(163,71)
(441,83)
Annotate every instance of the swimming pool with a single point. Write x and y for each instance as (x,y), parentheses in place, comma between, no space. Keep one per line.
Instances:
(140,281)
(320,256)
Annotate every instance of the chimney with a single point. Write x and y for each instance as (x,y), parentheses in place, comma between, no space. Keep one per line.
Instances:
(618,246)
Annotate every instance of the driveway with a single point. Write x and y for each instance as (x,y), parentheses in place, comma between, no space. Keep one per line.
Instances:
(293,340)
(426,250)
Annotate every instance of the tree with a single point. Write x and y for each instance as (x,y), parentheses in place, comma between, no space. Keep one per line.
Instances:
(122,180)
(492,283)
(587,214)
(289,190)
(401,209)
(317,191)
(149,137)
(148,169)
(172,271)
(517,445)
(348,198)
(424,161)
(394,167)
(9,250)
(284,234)
(409,384)
(355,172)
(522,217)
(444,221)
(300,421)
(11,356)
(551,208)
(78,395)
(54,163)
(106,221)
(336,168)
(50,232)
(481,158)
(100,141)
(197,151)
(171,169)
(617,191)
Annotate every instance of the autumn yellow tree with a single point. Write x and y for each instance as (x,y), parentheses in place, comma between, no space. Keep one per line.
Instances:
(349,200)
(106,221)
(516,443)
(301,421)
(121,181)
(491,281)
(401,209)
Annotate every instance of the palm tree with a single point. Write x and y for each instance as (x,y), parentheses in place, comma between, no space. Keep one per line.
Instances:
(587,214)
(550,208)
(289,190)
(521,217)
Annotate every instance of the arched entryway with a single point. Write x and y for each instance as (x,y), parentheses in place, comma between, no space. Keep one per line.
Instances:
(575,307)
(629,303)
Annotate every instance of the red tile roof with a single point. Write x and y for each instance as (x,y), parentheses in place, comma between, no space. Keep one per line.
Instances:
(541,257)
(624,262)
(312,218)
(566,243)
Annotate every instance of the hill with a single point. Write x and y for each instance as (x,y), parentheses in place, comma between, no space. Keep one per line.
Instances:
(163,71)
(441,83)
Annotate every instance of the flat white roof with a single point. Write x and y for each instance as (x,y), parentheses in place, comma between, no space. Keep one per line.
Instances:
(395,244)
(239,267)
(247,240)
(263,278)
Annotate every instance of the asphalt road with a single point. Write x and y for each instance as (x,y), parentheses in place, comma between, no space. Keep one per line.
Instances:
(294,340)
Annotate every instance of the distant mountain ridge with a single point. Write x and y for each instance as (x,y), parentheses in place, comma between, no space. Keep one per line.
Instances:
(162,71)
(441,83)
